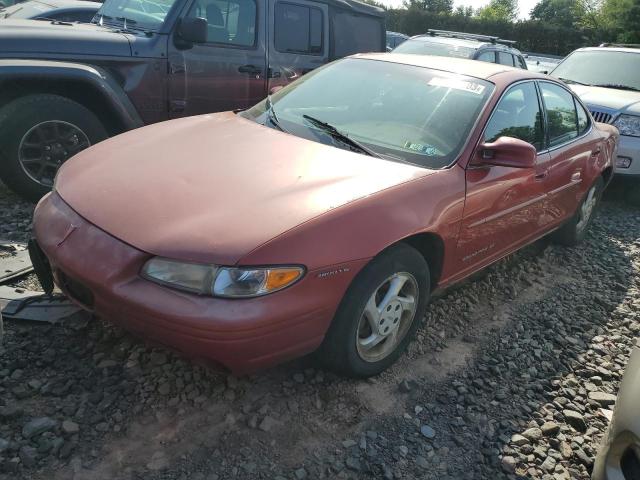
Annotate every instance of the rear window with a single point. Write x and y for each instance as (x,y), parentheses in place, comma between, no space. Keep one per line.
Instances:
(298,29)
(425,47)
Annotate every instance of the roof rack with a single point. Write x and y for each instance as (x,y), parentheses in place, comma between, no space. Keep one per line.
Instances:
(469,36)
(621,45)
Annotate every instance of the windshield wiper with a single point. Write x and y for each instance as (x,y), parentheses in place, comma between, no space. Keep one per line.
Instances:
(272,117)
(341,137)
(617,86)
(568,80)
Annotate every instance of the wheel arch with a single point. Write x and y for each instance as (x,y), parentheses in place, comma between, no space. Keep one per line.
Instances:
(431,246)
(607,174)
(89,86)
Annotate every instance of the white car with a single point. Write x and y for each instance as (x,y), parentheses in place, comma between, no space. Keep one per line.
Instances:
(607,79)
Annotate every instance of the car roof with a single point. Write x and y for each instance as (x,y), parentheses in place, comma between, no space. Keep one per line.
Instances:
(463,42)
(462,66)
(612,48)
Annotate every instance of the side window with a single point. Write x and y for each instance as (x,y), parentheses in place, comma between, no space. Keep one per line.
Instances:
(489,56)
(583,118)
(230,22)
(517,115)
(298,29)
(520,62)
(505,59)
(562,120)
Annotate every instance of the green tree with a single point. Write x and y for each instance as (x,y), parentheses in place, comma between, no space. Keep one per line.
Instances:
(431,6)
(565,13)
(622,18)
(500,10)
(463,11)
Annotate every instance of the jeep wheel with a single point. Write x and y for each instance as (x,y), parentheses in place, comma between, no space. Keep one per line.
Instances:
(38,133)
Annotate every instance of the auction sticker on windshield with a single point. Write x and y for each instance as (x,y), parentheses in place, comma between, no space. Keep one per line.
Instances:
(457,84)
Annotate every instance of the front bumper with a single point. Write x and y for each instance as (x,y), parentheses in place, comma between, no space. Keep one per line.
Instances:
(101,273)
(629,147)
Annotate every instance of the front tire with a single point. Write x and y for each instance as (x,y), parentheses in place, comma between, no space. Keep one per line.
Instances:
(379,314)
(38,133)
(575,230)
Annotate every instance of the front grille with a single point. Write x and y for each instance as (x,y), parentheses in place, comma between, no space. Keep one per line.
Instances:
(76,290)
(602,117)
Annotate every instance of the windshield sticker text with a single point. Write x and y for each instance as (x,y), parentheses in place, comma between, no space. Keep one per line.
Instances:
(425,149)
(471,87)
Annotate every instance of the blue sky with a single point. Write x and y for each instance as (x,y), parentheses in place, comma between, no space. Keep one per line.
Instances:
(525,5)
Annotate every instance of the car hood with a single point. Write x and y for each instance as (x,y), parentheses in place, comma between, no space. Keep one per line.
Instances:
(39,37)
(215,187)
(623,101)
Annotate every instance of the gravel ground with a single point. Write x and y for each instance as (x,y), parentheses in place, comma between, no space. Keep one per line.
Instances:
(507,379)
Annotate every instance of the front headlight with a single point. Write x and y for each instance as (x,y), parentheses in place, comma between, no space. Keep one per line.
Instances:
(628,125)
(230,282)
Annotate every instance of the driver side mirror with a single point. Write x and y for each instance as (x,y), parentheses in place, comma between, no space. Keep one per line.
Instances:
(193,29)
(507,152)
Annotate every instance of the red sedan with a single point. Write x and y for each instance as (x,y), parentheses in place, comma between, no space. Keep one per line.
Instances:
(326,215)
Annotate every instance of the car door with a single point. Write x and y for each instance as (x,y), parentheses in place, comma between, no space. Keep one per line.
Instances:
(567,122)
(298,39)
(226,72)
(503,204)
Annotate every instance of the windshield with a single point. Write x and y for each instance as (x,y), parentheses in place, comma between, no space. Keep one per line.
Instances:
(601,67)
(422,47)
(399,112)
(139,14)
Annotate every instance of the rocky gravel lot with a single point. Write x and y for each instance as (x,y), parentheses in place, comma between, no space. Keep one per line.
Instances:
(508,378)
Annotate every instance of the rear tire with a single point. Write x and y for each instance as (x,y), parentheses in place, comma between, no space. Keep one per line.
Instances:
(352,347)
(37,134)
(575,230)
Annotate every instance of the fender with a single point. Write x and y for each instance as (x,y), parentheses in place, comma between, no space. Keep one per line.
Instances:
(97,77)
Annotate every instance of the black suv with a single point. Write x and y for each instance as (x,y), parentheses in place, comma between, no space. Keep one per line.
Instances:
(443,43)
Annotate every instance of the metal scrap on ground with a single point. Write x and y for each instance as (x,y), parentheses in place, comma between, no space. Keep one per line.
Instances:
(22,304)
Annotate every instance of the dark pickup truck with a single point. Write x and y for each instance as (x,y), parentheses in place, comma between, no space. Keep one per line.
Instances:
(66,86)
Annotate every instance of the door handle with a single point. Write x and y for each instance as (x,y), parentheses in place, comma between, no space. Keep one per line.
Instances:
(271,73)
(250,69)
(542,175)
(596,152)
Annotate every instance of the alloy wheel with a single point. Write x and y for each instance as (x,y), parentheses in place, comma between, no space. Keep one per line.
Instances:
(587,208)
(387,317)
(46,146)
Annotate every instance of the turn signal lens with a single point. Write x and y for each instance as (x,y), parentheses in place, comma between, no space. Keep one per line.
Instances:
(277,279)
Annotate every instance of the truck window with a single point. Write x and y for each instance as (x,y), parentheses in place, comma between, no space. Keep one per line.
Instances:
(505,59)
(352,33)
(488,56)
(298,29)
(230,22)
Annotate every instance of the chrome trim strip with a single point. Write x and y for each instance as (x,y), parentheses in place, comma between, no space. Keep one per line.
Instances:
(509,210)
(565,186)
